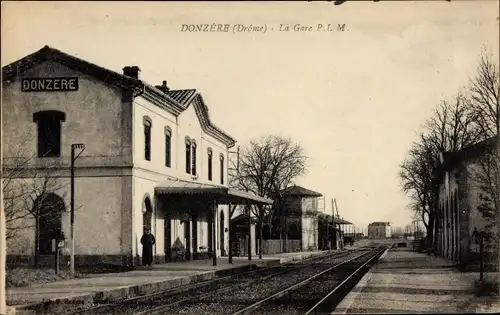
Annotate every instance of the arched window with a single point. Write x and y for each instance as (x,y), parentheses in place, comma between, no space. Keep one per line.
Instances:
(147,214)
(188,155)
(148,124)
(222,169)
(168,147)
(193,158)
(209,154)
(48,209)
(49,132)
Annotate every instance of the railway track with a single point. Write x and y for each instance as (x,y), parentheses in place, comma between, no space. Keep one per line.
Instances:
(318,294)
(249,297)
(155,303)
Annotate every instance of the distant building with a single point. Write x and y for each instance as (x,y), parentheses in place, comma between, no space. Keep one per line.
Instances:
(379,230)
(463,206)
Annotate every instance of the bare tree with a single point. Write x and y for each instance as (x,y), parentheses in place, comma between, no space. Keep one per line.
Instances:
(266,168)
(26,191)
(472,117)
(484,101)
(451,128)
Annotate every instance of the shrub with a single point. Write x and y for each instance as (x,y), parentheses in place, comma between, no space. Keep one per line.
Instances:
(19,277)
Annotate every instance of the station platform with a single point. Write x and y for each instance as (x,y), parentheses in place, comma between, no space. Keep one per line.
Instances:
(101,288)
(404,281)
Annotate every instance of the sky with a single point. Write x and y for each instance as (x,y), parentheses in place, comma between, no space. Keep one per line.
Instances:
(354,99)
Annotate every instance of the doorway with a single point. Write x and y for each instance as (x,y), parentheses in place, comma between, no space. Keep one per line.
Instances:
(221,234)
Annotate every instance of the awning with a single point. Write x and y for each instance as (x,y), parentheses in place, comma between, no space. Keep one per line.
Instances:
(244,218)
(222,194)
(341,221)
(337,220)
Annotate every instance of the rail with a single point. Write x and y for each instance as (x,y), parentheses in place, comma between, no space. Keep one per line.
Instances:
(254,306)
(160,309)
(320,302)
(208,284)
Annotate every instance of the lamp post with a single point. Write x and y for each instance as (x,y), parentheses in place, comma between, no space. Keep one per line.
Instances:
(74,147)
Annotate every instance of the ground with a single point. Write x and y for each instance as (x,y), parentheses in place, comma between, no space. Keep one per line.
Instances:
(20,277)
(24,276)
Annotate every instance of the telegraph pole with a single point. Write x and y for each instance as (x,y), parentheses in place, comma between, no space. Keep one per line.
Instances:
(498,184)
(74,146)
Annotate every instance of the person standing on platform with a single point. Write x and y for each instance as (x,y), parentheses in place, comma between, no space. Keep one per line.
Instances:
(147,241)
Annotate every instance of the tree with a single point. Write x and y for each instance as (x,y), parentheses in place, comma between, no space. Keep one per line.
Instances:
(450,128)
(485,104)
(27,193)
(267,167)
(472,118)
(484,100)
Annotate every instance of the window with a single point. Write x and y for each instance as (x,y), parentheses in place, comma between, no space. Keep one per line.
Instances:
(188,156)
(193,156)
(49,132)
(222,169)
(147,137)
(168,147)
(147,215)
(209,164)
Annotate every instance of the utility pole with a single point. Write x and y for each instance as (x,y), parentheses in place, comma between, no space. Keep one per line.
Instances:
(327,227)
(74,146)
(498,184)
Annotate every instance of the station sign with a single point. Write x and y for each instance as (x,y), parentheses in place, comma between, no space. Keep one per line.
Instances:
(59,84)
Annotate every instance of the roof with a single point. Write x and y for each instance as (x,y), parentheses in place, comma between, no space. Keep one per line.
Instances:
(183,97)
(11,71)
(244,217)
(222,194)
(336,219)
(341,221)
(451,159)
(379,224)
(175,100)
(301,191)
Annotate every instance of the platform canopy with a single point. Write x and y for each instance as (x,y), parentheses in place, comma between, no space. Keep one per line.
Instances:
(342,221)
(337,220)
(221,194)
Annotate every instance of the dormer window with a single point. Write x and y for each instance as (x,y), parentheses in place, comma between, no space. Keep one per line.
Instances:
(49,132)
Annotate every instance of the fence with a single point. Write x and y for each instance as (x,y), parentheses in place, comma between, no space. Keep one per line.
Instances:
(270,247)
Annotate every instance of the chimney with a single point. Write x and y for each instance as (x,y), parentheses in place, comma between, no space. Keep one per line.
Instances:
(163,87)
(131,71)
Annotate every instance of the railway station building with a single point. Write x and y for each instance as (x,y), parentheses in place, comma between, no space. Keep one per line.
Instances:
(466,207)
(152,159)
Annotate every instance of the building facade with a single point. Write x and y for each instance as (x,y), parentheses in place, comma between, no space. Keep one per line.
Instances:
(379,230)
(329,234)
(466,206)
(152,159)
(301,216)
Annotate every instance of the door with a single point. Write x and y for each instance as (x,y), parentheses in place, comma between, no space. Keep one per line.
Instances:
(222,234)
